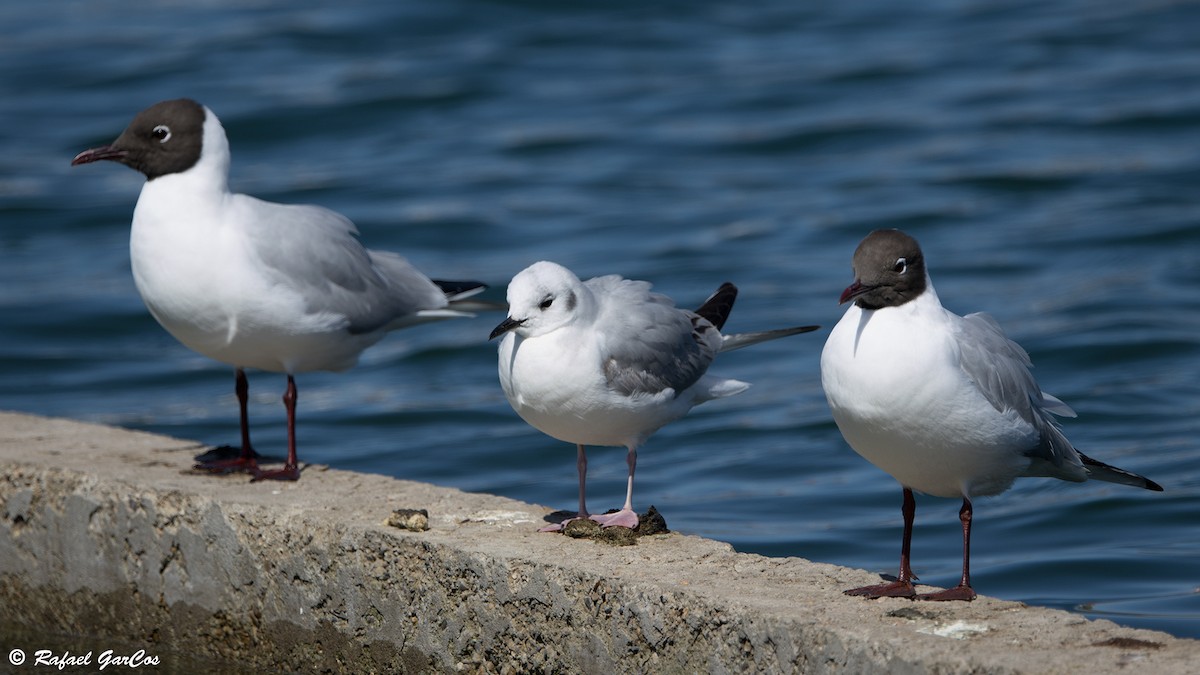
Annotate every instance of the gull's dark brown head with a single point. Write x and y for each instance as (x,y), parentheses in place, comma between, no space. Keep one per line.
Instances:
(163,139)
(889,270)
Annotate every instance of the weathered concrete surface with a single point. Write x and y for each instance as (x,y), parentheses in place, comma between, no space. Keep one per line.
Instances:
(104,531)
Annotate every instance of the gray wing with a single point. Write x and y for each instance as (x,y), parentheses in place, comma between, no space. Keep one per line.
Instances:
(1000,368)
(649,345)
(316,252)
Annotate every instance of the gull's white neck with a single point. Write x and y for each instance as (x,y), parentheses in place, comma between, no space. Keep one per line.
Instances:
(195,195)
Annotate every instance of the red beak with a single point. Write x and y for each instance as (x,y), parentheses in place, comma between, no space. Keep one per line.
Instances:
(97,154)
(853,291)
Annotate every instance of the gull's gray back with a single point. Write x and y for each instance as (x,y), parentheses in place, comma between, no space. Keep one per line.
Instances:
(316,252)
(1000,368)
(649,345)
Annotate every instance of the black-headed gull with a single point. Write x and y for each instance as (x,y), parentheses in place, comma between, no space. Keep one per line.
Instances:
(277,287)
(607,362)
(944,403)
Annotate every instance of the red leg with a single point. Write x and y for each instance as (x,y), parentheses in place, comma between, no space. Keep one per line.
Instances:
(581,467)
(902,587)
(242,389)
(247,460)
(291,469)
(963,590)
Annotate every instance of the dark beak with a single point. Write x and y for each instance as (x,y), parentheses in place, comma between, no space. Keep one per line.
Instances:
(97,154)
(505,326)
(854,290)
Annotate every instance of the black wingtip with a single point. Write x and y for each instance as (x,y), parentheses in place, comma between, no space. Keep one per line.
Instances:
(1107,472)
(717,307)
(453,288)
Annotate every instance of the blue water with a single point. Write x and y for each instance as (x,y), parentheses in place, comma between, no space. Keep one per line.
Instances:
(1047,156)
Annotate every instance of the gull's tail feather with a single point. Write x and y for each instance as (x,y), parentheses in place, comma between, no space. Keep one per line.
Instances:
(478,306)
(717,307)
(1098,470)
(720,389)
(1053,405)
(458,292)
(739,340)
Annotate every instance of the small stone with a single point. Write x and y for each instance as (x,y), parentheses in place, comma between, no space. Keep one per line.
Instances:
(414,520)
(912,614)
(1127,643)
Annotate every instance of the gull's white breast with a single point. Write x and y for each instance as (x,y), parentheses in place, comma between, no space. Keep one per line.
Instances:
(556,383)
(898,394)
(195,269)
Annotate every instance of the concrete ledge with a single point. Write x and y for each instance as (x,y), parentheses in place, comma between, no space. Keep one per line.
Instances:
(103,532)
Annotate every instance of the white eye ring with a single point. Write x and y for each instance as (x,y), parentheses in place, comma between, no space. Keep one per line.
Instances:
(901,266)
(162,132)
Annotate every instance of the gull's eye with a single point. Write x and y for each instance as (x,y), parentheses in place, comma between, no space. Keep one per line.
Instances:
(901,266)
(545,304)
(162,132)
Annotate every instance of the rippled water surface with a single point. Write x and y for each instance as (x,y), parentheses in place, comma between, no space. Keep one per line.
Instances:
(1047,156)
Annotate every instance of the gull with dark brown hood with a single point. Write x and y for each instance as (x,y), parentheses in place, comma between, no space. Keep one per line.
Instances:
(278,287)
(946,404)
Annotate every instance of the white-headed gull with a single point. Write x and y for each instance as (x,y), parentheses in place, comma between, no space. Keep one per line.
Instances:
(607,362)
